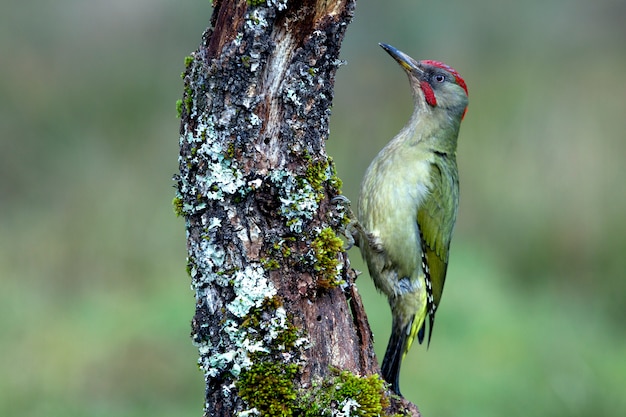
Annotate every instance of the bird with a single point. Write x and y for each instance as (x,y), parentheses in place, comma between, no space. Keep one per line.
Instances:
(408,205)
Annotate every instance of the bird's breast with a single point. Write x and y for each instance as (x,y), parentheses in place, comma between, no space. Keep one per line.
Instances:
(392,191)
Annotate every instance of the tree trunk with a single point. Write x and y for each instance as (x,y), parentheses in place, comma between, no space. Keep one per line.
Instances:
(278,324)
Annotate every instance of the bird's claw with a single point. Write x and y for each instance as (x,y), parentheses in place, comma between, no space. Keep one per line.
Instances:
(352,229)
(341,199)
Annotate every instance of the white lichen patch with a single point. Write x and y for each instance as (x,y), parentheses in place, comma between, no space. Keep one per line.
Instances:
(248,413)
(212,223)
(238,39)
(221,176)
(209,257)
(256,19)
(297,198)
(255,60)
(227,115)
(348,408)
(275,324)
(279,4)
(251,288)
(293,95)
(255,120)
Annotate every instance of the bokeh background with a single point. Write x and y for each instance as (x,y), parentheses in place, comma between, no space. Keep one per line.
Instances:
(95,302)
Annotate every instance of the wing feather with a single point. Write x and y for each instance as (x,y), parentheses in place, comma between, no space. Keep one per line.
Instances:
(436,218)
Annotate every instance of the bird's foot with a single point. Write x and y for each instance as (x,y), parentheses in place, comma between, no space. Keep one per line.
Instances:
(352,229)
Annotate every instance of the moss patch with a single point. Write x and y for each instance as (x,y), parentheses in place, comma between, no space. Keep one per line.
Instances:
(320,173)
(360,396)
(326,247)
(188,61)
(269,387)
(368,392)
(179,108)
(178,203)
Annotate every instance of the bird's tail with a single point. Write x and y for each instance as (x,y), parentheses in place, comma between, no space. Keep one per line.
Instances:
(393,358)
(400,342)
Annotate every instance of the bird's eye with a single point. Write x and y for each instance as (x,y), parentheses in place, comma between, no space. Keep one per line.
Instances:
(440,78)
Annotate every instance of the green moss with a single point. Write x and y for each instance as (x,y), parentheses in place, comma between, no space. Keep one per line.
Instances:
(334,180)
(320,173)
(188,99)
(316,176)
(179,108)
(292,222)
(188,61)
(230,150)
(245,60)
(269,387)
(366,393)
(326,247)
(270,264)
(177,203)
(288,337)
(255,2)
(281,248)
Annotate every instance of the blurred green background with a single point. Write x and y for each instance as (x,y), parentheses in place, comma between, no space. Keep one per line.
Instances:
(95,303)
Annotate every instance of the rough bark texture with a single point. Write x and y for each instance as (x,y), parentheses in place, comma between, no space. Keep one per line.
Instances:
(277,315)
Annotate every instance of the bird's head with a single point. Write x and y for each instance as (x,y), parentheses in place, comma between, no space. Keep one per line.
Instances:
(435,84)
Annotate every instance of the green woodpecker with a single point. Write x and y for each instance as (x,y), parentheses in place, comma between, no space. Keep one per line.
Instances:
(408,205)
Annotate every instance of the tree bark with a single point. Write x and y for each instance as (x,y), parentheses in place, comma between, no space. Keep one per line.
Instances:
(279,325)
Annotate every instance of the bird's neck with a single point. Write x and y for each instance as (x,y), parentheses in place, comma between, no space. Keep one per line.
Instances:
(430,130)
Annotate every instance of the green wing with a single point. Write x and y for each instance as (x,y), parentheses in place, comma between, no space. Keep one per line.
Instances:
(435,218)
